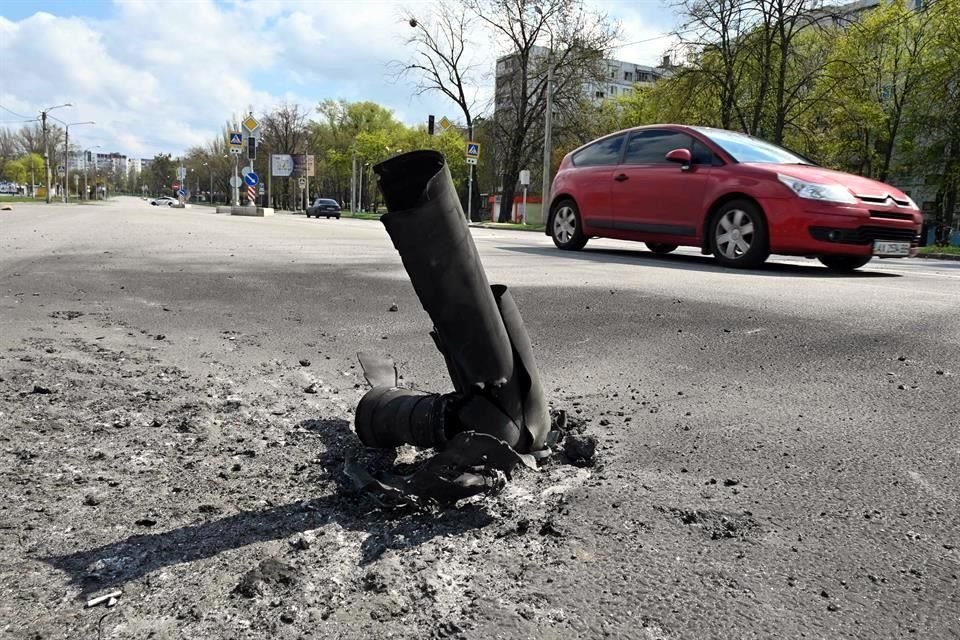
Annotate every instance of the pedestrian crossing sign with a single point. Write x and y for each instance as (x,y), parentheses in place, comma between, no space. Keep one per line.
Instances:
(236,139)
(473,149)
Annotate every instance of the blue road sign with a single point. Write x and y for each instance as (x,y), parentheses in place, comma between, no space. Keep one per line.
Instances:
(473,149)
(181,192)
(251,179)
(236,139)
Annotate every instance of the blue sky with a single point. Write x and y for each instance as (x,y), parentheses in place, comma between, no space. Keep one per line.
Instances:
(163,76)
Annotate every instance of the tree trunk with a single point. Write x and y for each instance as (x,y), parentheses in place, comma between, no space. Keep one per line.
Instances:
(511,175)
(510,178)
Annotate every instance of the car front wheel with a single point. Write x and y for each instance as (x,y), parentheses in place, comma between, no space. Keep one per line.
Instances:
(844,263)
(566,228)
(661,248)
(739,235)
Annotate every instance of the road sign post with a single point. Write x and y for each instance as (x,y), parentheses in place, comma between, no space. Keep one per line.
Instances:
(252,180)
(473,155)
(525,181)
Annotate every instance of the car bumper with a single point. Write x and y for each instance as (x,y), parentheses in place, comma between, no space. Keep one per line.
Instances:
(803,227)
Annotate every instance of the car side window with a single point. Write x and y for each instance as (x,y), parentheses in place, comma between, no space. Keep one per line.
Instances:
(602,153)
(701,154)
(653,145)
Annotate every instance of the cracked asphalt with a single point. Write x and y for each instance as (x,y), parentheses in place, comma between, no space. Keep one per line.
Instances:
(778,450)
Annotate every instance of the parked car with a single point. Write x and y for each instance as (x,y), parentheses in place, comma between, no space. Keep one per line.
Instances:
(734,196)
(164,201)
(324,207)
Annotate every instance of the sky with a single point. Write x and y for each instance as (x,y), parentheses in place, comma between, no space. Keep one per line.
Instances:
(160,76)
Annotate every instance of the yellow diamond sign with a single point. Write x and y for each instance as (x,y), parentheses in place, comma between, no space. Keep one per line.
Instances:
(250,123)
(444,123)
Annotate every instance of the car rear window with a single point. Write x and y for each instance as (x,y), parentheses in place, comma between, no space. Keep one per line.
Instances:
(601,153)
(652,146)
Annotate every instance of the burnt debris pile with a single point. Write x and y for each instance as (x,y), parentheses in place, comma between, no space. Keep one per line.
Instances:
(496,418)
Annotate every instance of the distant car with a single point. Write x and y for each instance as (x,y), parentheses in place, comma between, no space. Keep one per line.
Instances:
(324,207)
(165,201)
(732,195)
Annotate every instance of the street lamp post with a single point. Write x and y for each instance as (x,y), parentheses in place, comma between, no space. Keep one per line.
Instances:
(547,144)
(46,147)
(66,158)
(210,192)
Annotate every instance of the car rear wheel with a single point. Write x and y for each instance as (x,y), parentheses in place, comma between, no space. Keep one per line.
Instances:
(844,263)
(566,229)
(660,248)
(739,235)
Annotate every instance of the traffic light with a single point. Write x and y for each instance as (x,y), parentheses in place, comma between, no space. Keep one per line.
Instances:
(251,148)
(430,125)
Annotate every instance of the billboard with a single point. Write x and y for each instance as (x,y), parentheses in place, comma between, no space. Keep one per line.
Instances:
(286,165)
(281,165)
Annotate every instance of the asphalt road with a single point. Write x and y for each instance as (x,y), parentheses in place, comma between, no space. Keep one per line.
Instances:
(779,453)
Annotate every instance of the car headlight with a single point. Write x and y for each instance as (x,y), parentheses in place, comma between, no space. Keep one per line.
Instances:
(817,191)
(912,203)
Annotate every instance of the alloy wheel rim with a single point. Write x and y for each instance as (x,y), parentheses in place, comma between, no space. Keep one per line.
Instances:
(564,224)
(734,234)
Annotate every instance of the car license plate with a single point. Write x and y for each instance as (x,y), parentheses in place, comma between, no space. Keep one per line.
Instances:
(881,248)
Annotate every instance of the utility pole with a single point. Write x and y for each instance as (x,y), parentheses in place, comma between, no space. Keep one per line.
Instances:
(547,131)
(353,180)
(360,189)
(46,145)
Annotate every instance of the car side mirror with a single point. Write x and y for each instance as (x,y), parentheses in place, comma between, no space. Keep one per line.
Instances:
(681,156)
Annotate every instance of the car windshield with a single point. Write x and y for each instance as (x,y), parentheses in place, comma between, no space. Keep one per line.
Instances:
(325,201)
(743,148)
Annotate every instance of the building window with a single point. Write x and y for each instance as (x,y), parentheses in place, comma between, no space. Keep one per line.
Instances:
(613,90)
(643,76)
(628,76)
(613,74)
(598,95)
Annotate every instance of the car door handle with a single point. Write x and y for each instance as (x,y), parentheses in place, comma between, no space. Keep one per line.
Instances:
(621,177)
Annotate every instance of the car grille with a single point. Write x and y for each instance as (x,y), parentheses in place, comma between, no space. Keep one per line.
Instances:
(865,235)
(884,199)
(891,215)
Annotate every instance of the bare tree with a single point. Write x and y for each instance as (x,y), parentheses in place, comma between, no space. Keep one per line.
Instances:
(552,45)
(715,30)
(440,60)
(285,131)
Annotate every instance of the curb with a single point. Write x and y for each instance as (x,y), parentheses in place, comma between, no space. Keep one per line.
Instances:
(940,256)
(493,225)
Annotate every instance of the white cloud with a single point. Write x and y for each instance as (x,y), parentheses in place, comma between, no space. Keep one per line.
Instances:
(161,77)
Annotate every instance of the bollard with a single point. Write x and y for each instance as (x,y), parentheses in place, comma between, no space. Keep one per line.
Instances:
(477,328)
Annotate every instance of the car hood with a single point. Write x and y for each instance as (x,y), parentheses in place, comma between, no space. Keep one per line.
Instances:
(859,185)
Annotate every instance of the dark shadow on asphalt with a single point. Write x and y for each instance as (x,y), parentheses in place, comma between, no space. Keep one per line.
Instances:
(695,263)
(115,564)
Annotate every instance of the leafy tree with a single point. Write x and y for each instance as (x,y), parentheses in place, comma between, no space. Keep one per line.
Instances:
(15,171)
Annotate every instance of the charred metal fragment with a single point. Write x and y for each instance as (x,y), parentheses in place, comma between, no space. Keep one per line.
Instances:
(497,396)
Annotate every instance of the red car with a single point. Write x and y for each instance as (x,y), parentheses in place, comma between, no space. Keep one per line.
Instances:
(734,196)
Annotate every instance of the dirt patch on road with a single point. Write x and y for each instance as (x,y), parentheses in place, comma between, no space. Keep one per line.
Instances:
(216,501)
